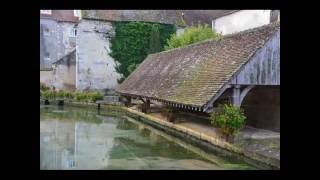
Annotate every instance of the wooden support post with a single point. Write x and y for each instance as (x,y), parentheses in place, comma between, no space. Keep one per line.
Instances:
(236,95)
(46,102)
(128,101)
(239,95)
(60,102)
(147,106)
(244,92)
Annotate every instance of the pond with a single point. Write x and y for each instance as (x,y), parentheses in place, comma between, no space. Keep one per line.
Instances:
(78,138)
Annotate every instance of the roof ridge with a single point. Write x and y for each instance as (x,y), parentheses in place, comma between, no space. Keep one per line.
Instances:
(223,37)
(274,24)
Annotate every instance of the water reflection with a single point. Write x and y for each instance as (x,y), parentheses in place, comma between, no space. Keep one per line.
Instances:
(72,138)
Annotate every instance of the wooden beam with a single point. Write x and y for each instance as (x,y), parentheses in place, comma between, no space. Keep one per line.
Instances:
(244,92)
(147,106)
(214,98)
(236,95)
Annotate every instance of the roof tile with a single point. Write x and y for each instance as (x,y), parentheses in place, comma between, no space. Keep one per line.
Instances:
(192,75)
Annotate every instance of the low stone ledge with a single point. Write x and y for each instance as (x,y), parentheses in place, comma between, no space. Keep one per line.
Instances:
(215,141)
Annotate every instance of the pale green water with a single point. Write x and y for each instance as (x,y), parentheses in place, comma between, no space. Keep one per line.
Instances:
(77,138)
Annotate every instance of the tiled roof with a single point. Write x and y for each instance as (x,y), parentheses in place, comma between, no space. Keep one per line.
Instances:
(192,75)
(161,16)
(61,15)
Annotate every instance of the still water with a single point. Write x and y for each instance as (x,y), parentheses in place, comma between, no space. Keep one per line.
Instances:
(77,138)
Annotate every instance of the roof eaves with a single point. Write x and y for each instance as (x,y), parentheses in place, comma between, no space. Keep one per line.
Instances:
(238,70)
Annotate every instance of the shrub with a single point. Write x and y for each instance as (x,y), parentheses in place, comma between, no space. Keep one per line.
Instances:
(43,87)
(94,96)
(78,96)
(60,95)
(192,35)
(49,95)
(69,95)
(229,118)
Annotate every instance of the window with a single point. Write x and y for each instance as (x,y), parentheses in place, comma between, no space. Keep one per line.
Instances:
(73,32)
(45,11)
(76,13)
(46,31)
(47,56)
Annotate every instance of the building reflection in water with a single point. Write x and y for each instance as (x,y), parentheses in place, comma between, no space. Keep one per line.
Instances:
(75,145)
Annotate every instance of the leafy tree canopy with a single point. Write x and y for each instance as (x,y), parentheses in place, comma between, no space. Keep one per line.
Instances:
(192,35)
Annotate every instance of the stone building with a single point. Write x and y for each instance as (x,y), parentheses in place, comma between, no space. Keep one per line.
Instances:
(64,72)
(57,41)
(57,34)
(240,20)
(63,31)
(241,68)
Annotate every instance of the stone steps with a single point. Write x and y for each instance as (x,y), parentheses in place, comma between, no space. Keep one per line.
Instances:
(110,99)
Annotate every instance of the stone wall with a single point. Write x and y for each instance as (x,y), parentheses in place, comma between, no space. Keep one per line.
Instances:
(95,67)
(46,77)
(264,67)
(55,40)
(64,73)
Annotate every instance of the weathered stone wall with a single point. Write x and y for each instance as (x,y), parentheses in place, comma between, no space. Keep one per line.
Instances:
(241,20)
(57,42)
(64,74)
(275,16)
(66,42)
(48,41)
(46,77)
(262,107)
(95,67)
(264,66)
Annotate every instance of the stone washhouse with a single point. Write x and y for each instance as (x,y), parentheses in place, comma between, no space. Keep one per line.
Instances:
(241,68)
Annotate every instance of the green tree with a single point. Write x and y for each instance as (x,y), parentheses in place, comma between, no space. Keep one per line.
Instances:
(192,35)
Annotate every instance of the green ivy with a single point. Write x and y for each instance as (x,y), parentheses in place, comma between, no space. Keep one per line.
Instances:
(133,41)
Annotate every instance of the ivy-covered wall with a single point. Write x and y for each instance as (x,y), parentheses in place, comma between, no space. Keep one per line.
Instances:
(133,41)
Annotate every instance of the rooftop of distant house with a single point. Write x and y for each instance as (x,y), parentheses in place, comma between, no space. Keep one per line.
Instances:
(177,17)
(60,15)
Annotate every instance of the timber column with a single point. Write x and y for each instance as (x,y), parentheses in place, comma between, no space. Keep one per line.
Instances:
(128,101)
(236,96)
(147,106)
